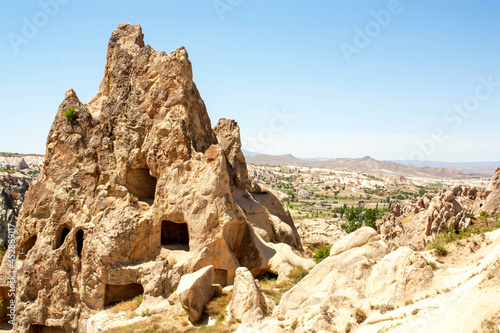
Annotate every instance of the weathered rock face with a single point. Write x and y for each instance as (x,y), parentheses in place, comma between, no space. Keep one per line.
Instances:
(194,291)
(362,287)
(359,271)
(138,191)
(12,189)
(248,303)
(492,204)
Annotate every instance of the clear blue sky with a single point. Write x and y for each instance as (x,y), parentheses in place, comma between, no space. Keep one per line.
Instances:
(252,59)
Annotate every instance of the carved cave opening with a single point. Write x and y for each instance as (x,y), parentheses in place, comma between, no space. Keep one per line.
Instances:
(140,183)
(114,294)
(79,237)
(220,277)
(61,236)
(27,246)
(175,234)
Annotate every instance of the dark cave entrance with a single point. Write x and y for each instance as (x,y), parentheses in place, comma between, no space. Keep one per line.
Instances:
(61,236)
(141,184)
(27,246)
(175,234)
(79,242)
(114,294)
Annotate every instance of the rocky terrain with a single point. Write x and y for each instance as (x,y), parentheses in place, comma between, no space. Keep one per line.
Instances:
(145,218)
(21,161)
(13,185)
(140,196)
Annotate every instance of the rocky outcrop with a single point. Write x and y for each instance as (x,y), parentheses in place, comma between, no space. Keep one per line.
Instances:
(492,202)
(248,303)
(136,191)
(359,274)
(194,292)
(319,232)
(12,189)
(449,210)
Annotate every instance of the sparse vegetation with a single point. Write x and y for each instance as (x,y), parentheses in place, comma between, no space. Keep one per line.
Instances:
(440,249)
(322,253)
(360,315)
(129,305)
(275,291)
(133,198)
(297,274)
(216,308)
(432,264)
(71,115)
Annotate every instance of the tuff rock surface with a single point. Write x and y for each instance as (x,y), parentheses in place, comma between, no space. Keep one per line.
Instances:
(12,189)
(137,191)
(492,202)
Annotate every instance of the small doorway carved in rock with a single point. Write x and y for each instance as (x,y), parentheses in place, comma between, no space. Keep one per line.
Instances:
(175,236)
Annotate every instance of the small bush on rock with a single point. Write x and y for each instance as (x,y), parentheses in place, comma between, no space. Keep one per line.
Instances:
(70,114)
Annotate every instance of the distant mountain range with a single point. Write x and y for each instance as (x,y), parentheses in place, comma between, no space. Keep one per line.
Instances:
(369,165)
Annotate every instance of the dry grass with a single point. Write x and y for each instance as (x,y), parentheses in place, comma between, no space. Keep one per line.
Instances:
(216,308)
(275,291)
(129,305)
(491,325)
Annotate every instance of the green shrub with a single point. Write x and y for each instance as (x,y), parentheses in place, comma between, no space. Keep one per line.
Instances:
(484,214)
(440,249)
(322,253)
(70,114)
(432,264)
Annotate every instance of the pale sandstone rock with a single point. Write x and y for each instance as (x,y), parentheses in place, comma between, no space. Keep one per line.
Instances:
(248,304)
(492,203)
(195,291)
(138,192)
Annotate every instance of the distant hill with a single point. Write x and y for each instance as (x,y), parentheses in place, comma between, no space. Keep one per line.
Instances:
(485,168)
(366,165)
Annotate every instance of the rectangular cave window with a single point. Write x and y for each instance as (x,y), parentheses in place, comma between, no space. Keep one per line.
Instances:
(79,242)
(173,233)
(220,277)
(46,329)
(61,236)
(114,294)
(140,183)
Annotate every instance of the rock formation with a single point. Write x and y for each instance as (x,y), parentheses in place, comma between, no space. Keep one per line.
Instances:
(492,203)
(138,190)
(20,162)
(363,287)
(248,303)
(12,189)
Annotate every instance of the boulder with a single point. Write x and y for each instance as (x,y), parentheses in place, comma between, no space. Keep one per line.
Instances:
(195,291)
(248,304)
